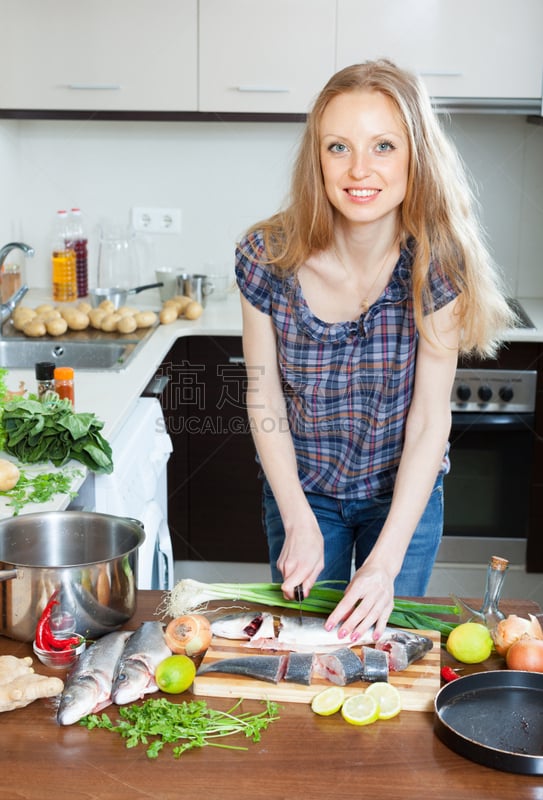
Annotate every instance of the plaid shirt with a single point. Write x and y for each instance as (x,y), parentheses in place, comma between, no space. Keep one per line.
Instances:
(348,385)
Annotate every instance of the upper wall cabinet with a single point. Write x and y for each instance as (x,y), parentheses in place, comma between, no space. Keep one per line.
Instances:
(104,54)
(462,48)
(265,56)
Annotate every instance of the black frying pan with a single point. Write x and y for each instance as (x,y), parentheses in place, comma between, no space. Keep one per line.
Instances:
(494,718)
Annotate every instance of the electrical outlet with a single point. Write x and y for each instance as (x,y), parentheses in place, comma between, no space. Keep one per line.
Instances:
(156,220)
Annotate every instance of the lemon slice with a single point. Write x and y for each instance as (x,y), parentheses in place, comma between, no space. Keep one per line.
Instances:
(360,709)
(388,699)
(328,701)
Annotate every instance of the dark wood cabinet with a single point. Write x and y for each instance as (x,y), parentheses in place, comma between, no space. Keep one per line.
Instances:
(214,491)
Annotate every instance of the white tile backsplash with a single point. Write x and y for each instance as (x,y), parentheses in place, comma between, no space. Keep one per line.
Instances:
(227,175)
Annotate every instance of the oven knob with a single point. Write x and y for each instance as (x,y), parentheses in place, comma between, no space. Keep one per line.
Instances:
(485,393)
(506,394)
(463,392)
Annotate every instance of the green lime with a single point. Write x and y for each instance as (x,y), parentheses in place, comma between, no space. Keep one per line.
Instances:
(470,643)
(175,674)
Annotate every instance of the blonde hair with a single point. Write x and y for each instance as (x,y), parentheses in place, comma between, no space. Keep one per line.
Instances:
(437,215)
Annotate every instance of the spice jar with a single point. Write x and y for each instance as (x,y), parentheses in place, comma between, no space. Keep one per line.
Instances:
(45,376)
(64,383)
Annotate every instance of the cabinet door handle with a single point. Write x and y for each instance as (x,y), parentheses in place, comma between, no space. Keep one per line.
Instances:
(262,88)
(236,360)
(101,87)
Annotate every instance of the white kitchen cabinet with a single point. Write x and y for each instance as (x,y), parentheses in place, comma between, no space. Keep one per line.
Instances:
(79,55)
(462,48)
(259,56)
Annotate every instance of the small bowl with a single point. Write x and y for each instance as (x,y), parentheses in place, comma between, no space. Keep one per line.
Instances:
(60,659)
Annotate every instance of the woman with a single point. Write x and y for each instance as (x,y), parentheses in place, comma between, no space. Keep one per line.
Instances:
(356,300)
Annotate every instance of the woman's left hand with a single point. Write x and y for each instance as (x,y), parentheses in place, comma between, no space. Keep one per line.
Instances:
(368,600)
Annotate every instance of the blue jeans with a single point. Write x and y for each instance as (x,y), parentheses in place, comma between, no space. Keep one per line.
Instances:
(352,527)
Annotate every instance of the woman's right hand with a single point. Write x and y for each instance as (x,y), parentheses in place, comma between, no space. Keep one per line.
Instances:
(302,558)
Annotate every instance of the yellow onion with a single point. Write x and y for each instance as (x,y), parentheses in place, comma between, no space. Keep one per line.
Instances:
(188,635)
(510,630)
(526,654)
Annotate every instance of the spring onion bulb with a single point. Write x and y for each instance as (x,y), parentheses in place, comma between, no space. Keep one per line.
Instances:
(191,596)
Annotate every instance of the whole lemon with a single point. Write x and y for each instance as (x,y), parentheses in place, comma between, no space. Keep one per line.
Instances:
(175,674)
(470,643)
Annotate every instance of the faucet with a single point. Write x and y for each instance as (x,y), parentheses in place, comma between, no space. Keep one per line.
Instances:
(6,309)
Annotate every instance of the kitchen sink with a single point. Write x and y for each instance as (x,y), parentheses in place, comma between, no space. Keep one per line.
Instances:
(92,354)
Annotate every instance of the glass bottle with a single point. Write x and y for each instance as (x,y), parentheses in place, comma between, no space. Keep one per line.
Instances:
(78,241)
(63,262)
(489,613)
(45,376)
(64,383)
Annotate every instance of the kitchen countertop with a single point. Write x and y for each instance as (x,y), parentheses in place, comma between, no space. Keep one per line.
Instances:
(301,755)
(111,395)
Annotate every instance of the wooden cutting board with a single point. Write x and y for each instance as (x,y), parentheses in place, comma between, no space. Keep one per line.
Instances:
(418,684)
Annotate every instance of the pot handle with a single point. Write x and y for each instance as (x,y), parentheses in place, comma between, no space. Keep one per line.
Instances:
(8,574)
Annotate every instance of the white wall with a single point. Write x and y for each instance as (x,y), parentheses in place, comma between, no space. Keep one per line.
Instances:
(225,176)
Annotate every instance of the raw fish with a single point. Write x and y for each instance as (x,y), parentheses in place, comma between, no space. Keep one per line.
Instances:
(340,667)
(88,685)
(374,665)
(135,672)
(403,648)
(244,625)
(300,668)
(264,668)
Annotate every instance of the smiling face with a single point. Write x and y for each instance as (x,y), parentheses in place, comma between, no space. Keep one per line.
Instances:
(364,153)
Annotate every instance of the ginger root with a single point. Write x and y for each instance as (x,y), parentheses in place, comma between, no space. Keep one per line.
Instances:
(20,685)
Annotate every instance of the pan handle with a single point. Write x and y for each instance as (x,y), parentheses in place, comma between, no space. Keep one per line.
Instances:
(139,289)
(8,574)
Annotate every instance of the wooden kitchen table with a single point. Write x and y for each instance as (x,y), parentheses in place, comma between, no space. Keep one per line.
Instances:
(300,757)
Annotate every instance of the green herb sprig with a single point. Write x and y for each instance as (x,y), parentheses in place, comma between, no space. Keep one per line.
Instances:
(40,488)
(158,722)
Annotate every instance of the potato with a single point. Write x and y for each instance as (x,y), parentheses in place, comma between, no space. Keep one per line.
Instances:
(56,326)
(108,306)
(34,328)
(48,315)
(126,324)
(44,308)
(21,316)
(181,301)
(77,321)
(96,317)
(109,323)
(9,475)
(168,314)
(193,310)
(84,307)
(127,311)
(145,319)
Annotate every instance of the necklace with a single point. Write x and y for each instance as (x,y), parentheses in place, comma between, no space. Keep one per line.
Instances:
(365,303)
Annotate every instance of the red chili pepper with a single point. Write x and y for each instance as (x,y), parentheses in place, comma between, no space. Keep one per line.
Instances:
(45,638)
(448,674)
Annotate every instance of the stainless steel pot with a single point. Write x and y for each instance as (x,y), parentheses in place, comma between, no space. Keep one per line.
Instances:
(117,295)
(90,558)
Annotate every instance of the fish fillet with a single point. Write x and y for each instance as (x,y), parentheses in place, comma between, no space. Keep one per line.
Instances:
(264,668)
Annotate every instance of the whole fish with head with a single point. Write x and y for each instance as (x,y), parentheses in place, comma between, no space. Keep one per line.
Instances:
(135,672)
(244,625)
(88,686)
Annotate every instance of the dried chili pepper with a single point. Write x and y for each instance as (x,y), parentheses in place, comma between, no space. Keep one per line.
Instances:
(45,639)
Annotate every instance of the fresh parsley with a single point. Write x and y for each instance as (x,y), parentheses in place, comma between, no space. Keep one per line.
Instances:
(158,722)
(39,488)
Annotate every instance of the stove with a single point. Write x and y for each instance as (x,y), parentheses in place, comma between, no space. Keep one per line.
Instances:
(491,391)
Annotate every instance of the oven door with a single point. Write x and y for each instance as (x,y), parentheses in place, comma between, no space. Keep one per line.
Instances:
(487,490)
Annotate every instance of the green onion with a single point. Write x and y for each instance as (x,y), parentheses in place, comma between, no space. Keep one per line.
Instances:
(189,596)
